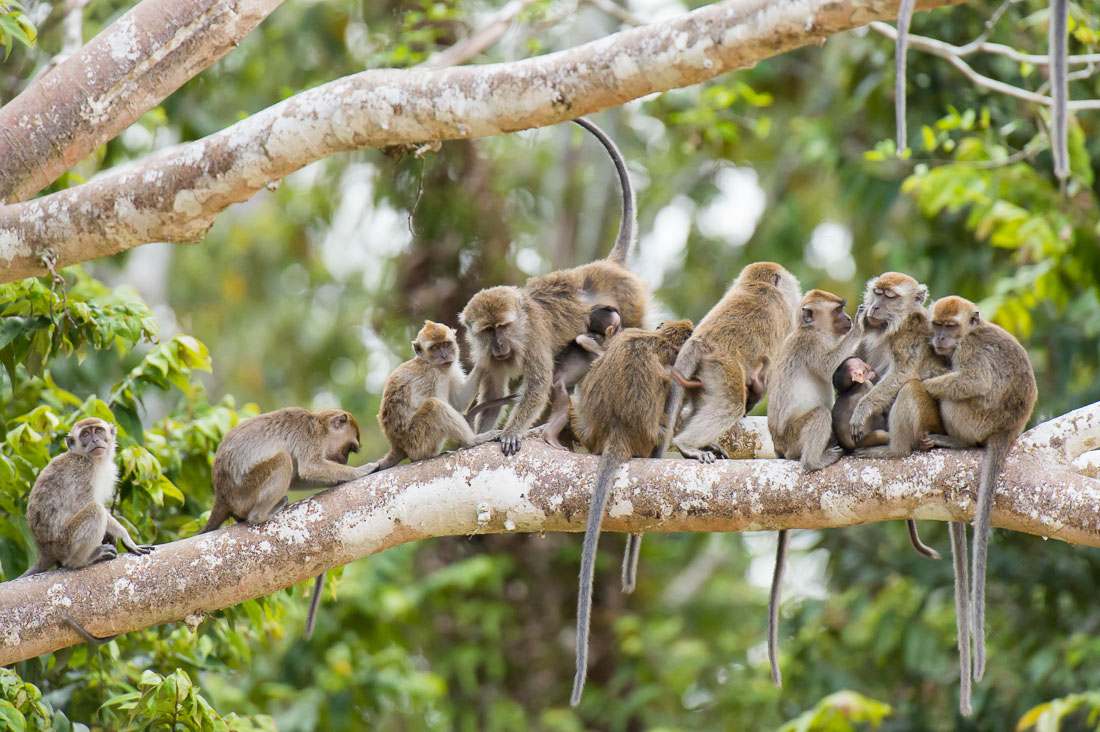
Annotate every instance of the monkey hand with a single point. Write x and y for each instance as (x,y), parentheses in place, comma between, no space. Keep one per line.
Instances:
(365,469)
(142,548)
(509,442)
(487,437)
(861,420)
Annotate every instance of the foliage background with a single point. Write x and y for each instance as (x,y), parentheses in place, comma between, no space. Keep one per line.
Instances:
(310,294)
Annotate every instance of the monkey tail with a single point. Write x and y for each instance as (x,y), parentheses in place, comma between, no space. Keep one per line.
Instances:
(314,603)
(905,14)
(773,606)
(43,563)
(996,450)
(219,512)
(609,463)
(914,538)
(628,227)
(962,612)
(90,639)
(1059,24)
(687,360)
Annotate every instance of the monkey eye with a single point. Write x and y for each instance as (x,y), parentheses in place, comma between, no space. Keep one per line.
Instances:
(890,294)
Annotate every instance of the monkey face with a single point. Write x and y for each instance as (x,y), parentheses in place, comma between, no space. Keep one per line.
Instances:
(341,436)
(500,345)
(443,353)
(952,318)
(891,296)
(91,436)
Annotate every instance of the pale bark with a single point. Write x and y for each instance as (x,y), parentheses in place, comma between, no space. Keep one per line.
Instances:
(541,489)
(97,92)
(175,196)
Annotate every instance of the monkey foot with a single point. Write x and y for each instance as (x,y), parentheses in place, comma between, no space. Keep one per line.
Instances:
(718,450)
(142,548)
(509,443)
(702,455)
(103,553)
(552,441)
(926,443)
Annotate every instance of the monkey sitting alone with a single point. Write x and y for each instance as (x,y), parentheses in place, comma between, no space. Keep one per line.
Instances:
(417,413)
(66,514)
(618,416)
(852,380)
(263,457)
(572,364)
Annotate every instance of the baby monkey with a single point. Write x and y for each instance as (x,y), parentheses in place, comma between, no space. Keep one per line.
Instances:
(572,364)
(853,380)
(263,457)
(66,514)
(417,413)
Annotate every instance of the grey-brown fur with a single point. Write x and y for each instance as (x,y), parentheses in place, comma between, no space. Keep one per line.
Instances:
(636,363)
(740,336)
(852,380)
(65,512)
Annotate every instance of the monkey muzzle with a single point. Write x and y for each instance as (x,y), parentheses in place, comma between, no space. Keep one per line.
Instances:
(873,321)
(943,347)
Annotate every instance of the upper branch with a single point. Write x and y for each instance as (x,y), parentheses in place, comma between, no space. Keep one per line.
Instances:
(174,196)
(540,489)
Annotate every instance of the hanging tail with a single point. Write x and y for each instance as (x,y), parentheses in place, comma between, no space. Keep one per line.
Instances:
(773,606)
(314,603)
(628,227)
(605,474)
(962,612)
(996,450)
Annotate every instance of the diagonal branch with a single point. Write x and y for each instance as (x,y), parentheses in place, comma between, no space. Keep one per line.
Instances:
(121,74)
(175,196)
(541,489)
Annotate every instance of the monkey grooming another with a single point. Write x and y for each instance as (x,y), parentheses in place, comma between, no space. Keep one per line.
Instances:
(572,364)
(417,413)
(852,380)
(514,333)
(985,399)
(263,457)
(799,411)
(739,337)
(66,511)
(635,365)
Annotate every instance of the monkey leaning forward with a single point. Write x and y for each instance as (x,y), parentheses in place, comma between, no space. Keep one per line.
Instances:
(985,399)
(264,456)
(66,514)
(638,363)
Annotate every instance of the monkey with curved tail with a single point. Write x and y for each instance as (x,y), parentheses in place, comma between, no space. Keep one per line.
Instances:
(985,399)
(637,363)
(514,333)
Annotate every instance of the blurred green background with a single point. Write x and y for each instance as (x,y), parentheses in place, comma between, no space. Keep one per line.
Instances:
(309,295)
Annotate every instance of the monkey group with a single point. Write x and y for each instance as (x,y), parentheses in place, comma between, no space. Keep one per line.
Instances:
(576,348)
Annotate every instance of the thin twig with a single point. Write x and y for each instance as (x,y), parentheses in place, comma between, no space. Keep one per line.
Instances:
(466,49)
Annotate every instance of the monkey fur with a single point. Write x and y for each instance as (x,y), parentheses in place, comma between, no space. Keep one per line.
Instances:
(514,333)
(417,413)
(985,399)
(1059,89)
(263,457)
(740,336)
(799,411)
(572,364)
(852,380)
(66,511)
(636,363)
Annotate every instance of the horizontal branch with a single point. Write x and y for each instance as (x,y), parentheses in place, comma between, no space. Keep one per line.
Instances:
(175,196)
(122,73)
(481,491)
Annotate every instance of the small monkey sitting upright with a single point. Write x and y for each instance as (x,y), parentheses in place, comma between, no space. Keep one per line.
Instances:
(417,415)
(572,364)
(852,380)
(65,511)
(263,457)
(66,514)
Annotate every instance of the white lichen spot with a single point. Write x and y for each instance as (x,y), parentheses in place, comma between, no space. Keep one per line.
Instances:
(484,514)
(621,507)
(186,202)
(265,546)
(509,525)
(123,585)
(123,42)
(624,66)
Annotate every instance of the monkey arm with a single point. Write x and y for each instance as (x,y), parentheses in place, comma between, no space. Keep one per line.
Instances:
(316,471)
(118,531)
(959,385)
(462,395)
(589,344)
(876,401)
(538,375)
(846,348)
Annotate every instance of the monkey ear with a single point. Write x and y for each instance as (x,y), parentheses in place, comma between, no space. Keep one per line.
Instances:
(807,315)
(340,420)
(921,294)
(775,279)
(975,318)
(114,430)
(70,443)
(416,347)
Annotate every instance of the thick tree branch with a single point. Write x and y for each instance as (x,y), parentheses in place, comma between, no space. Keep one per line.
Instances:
(541,489)
(100,90)
(176,195)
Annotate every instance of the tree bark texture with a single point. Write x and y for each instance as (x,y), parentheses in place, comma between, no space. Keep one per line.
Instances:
(176,194)
(541,489)
(121,74)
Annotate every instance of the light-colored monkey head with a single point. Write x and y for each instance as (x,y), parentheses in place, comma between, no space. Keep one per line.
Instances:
(952,319)
(853,372)
(604,322)
(341,436)
(437,344)
(824,311)
(676,332)
(776,275)
(890,298)
(495,324)
(94,437)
